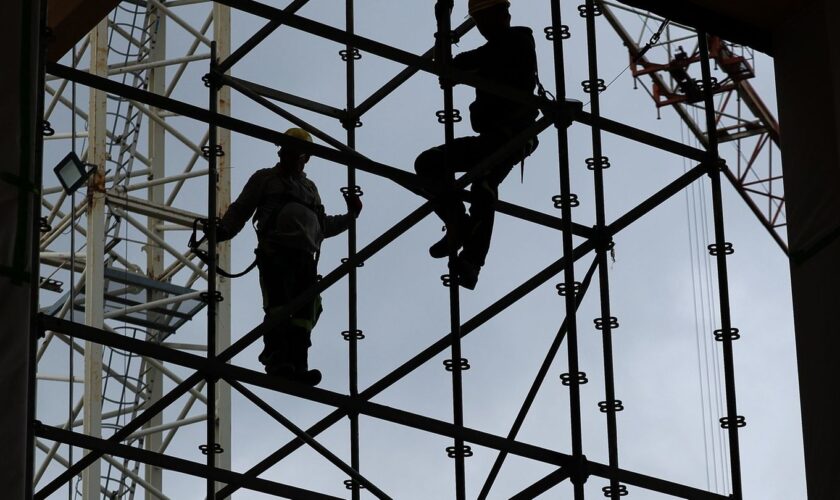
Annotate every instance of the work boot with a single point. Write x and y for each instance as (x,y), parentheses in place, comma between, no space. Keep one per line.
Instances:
(467,273)
(440,249)
(283,369)
(299,355)
(308,377)
(276,363)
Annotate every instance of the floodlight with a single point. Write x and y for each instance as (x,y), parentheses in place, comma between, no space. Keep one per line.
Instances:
(71,172)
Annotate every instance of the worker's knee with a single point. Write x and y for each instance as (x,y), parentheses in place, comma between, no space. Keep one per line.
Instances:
(485,192)
(484,196)
(426,165)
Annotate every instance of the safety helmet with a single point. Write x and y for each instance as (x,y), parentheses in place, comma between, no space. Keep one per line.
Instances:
(478,5)
(299,133)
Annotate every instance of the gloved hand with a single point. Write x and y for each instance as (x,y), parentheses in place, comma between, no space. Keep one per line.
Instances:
(354,204)
(222,234)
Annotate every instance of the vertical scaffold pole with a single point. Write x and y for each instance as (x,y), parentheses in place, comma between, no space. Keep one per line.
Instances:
(443,50)
(574,378)
(353,334)
(221,35)
(720,249)
(606,323)
(211,446)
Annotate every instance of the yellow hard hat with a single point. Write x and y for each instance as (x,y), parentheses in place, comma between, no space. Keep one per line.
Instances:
(477,5)
(299,133)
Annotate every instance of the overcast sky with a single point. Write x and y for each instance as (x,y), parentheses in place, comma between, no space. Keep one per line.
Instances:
(658,295)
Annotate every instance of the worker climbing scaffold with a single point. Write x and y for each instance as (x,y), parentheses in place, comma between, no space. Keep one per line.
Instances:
(508,58)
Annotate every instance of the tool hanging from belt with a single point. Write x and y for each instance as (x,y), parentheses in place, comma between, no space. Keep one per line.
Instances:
(204,256)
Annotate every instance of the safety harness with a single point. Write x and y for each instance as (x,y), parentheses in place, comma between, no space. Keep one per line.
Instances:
(266,221)
(204,256)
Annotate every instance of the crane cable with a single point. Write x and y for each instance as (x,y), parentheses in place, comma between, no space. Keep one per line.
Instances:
(705,285)
(654,39)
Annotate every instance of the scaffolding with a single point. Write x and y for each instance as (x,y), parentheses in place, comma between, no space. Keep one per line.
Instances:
(159,307)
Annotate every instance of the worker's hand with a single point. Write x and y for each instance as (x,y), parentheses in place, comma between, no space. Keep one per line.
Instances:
(354,204)
(222,233)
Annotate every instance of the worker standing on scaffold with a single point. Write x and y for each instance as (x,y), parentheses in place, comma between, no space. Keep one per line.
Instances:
(291,224)
(509,58)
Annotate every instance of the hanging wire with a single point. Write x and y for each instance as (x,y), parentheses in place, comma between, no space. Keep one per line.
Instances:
(709,313)
(697,331)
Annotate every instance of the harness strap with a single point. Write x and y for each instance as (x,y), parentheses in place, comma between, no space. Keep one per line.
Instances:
(194,244)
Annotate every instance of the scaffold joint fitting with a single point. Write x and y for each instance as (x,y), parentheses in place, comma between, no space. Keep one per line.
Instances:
(590,86)
(731,334)
(205,297)
(726,249)
(357,334)
(46,129)
(550,32)
(462,364)
(602,239)
(216,150)
(452,117)
(585,11)
(352,54)
(462,451)
(599,162)
(216,448)
(611,322)
(738,421)
(580,470)
(611,406)
(714,165)
(578,378)
(563,289)
(621,491)
(353,484)
(560,201)
(211,79)
(566,111)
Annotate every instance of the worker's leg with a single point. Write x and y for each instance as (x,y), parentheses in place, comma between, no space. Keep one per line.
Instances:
(463,154)
(485,193)
(285,273)
(275,294)
(302,274)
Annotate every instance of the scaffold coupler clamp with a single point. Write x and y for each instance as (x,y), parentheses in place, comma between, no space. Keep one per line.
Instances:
(212,79)
(602,239)
(714,164)
(579,473)
(566,111)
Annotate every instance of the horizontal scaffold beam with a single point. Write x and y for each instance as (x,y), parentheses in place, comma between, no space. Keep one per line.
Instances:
(343,402)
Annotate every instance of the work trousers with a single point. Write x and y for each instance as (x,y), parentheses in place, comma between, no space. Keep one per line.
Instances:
(285,273)
(464,153)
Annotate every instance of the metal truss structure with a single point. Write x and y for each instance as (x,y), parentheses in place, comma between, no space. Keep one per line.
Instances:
(130,311)
(741,116)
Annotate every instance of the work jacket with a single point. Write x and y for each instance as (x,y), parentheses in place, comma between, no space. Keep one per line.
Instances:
(509,59)
(287,212)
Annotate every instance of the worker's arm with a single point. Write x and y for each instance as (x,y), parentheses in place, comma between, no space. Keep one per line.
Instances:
(242,209)
(337,224)
(471,60)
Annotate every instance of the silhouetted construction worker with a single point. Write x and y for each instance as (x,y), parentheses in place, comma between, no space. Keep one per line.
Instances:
(291,223)
(509,58)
